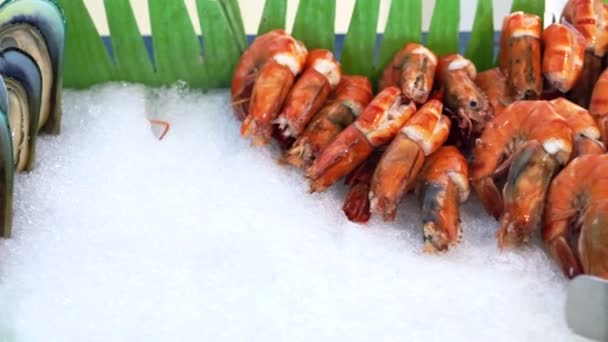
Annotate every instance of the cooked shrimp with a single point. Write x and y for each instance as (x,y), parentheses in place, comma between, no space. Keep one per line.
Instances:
(494,85)
(599,105)
(271,86)
(356,205)
(520,55)
(377,125)
(530,140)
(587,139)
(349,99)
(563,56)
(398,167)
(413,70)
(575,228)
(246,72)
(463,97)
(321,75)
(442,185)
(590,18)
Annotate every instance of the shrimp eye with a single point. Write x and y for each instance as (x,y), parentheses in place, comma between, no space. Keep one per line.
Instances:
(529,94)
(473,104)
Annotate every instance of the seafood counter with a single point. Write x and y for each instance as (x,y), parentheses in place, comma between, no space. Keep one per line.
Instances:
(527,137)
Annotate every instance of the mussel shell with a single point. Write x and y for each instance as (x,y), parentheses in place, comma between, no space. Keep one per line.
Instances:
(3,98)
(24,85)
(43,23)
(7,166)
(24,37)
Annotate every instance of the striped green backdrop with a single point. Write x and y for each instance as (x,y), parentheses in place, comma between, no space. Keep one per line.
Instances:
(179,55)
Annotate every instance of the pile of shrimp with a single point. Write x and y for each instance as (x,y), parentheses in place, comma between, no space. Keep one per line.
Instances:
(528,136)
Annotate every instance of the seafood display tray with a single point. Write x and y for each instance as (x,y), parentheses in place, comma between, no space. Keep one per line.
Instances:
(144,200)
(200,237)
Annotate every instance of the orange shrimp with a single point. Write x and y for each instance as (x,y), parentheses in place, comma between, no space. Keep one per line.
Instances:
(398,167)
(599,105)
(442,186)
(587,139)
(575,228)
(413,70)
(590,18)
(520,55)
(377,125)
(463,97)
(531,141)
(321,75)
(494,84)
(582,15)
(262,50)
(563,56)
(356,205)
(349,99)
(271,86)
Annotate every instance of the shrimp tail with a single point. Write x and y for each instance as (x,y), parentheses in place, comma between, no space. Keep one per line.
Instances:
(356,204)
(592,242)
(490,196)
(565,257)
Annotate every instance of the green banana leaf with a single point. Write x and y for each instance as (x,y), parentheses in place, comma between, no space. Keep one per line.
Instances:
(314,24)
(404,25)
(445,25)
(132,61)
(178,53)
(480,49)
(360,40)
(275,12)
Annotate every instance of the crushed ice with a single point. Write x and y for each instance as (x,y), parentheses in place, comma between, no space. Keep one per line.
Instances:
(199,237)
